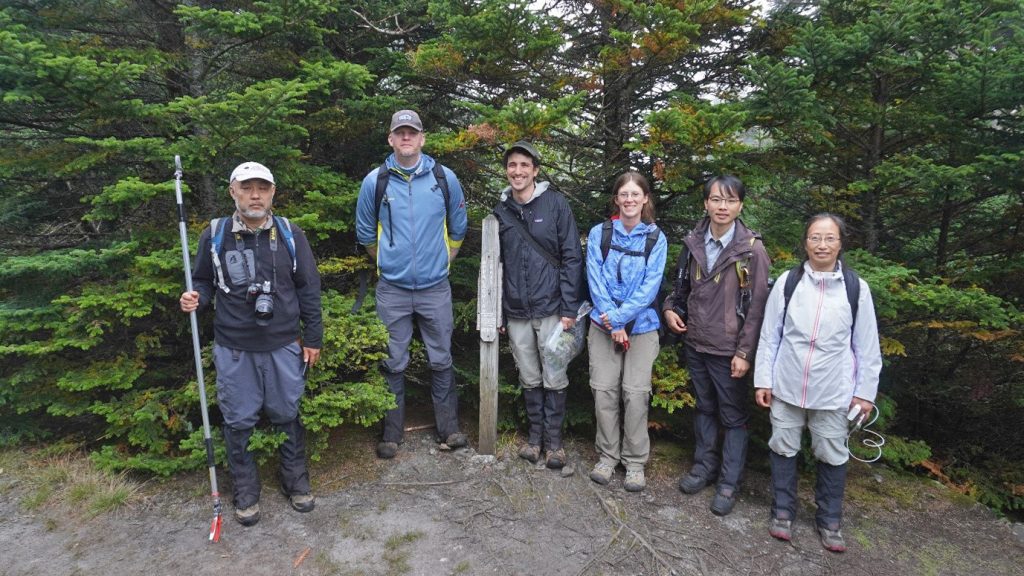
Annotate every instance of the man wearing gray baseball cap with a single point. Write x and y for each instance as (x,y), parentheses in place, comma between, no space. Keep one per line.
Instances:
(411,217)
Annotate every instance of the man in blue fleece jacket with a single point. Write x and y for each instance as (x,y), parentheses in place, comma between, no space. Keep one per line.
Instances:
(413,235)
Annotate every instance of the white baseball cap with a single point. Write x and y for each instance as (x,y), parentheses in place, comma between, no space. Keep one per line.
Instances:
(249,170)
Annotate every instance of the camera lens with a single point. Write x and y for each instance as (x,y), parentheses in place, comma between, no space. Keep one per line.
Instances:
(264,308)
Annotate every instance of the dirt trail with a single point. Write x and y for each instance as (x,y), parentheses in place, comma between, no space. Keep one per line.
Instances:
(435,513)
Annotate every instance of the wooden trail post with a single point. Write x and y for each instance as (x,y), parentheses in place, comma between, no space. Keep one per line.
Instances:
(488,316)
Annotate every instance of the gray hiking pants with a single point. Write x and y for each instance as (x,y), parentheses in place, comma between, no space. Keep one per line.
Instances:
(526,338)
(251,382)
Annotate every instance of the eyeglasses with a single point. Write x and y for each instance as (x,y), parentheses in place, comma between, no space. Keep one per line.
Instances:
(718,201)
(830,240)
(630,195)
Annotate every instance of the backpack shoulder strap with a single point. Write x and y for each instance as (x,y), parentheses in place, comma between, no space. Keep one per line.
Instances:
(852,282)
(652,239)
(285,226)
(606,238)
(442,183)
(681,285)
(792,279)
(217,226)
(383,174)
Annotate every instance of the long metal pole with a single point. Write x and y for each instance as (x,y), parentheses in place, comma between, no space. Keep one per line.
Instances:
(215,526)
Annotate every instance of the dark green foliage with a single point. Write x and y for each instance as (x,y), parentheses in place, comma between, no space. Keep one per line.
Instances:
(902,116)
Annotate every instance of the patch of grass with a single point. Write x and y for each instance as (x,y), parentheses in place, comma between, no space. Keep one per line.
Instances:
(507,444)
(332,568)
(79,493)
(61,448)
(399,540)
(939,559)
(397,558)
(895,491)
(38,497)
(349,529)
(68,480)
(115,495)
(667,459)
(461,568)
(860,534)
(398,562)
(959,498)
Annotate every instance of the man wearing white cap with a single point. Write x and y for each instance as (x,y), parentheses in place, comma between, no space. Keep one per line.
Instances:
(411,217)
(267,331)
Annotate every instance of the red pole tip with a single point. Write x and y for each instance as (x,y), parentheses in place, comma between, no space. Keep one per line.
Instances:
(215,527)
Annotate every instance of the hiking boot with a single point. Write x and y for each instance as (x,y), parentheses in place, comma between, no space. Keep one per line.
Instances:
(691,483)
(457,440)
(248,516)
(781,528)
(635,481)
(530,453)
(556,459)
(832,540)
(300,502)
(387,450)
(602,473)
(723,502)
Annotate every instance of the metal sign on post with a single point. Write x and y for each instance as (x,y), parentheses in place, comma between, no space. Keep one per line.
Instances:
(488,318)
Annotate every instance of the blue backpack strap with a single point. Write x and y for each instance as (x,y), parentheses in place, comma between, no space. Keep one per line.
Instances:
(217,226)
(285,226)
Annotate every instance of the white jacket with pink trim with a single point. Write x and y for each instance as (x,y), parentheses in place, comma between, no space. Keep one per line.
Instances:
(812,360)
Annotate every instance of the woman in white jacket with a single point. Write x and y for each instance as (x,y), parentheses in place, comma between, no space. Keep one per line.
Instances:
(815,362)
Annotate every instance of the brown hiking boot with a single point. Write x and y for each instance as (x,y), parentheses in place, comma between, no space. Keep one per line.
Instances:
(556,459)
(530,453)
(248,516)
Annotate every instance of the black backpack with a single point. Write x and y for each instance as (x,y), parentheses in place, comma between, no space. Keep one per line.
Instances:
(383,175)
(850,279)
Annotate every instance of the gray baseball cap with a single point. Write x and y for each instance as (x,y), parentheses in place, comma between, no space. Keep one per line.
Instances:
(525,147)
(406,118)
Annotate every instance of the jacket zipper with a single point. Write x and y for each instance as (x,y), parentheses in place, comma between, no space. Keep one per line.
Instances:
(814,339)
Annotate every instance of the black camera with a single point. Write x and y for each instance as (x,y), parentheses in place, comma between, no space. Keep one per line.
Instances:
(681,311)
(264,304)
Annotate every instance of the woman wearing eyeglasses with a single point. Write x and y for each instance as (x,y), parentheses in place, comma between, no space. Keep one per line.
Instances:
(624,273)
(818,360)
(718,302)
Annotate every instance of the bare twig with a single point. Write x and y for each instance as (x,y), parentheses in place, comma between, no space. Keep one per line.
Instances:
(600,553)
(643,541)
(301,557)
(502,488)
(397,31)
(416,484)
